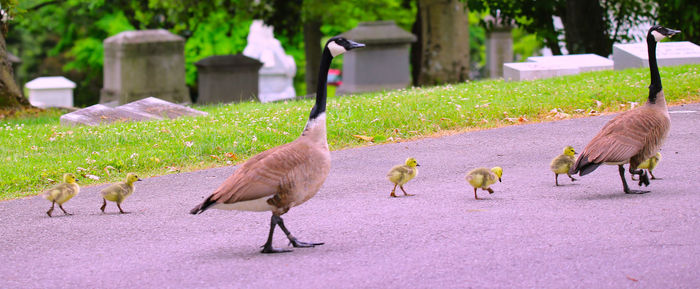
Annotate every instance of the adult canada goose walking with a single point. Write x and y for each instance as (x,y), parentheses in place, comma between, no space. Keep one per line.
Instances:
(288,175)
(635,135)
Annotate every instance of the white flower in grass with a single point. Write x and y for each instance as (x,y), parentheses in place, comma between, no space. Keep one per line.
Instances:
(189,143)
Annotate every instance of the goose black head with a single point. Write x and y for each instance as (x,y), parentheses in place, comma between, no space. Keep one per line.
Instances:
(659,32)
(339,45)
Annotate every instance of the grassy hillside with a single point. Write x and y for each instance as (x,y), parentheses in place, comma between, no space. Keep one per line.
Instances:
(36,150)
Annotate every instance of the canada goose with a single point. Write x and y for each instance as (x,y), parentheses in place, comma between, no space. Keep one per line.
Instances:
(634,135)
(401,174)
(483,178)
(119,191)
(562,163)
(649,165)
(288,175)
(62,192)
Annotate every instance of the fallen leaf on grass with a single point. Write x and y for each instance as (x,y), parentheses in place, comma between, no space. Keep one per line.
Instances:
(231,156)
(94,177)
(362,137)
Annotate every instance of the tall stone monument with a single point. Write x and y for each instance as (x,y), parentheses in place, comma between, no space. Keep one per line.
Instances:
(499,45)
(141,64)
(382,64)
(278,70)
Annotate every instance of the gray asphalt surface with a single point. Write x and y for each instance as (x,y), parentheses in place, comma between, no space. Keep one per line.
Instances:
(529,234)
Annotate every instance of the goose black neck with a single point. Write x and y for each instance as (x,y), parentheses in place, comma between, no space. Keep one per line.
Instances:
(655,86)
(320,106)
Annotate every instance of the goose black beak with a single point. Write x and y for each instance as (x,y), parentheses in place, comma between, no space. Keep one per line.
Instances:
(499,180)
(353,45)
(669,32)
(417,165)
(138,180)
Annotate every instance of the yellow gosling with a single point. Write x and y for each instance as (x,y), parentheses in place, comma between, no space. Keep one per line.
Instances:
(563,163)
(62,192)
(649,165)
(119,192)
(401,174)
(483,178)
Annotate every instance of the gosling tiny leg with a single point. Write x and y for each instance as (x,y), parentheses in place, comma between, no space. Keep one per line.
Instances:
(404,191)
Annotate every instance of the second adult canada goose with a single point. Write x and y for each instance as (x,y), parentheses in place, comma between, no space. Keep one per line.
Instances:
(288,175)
(635,135)
(62,192)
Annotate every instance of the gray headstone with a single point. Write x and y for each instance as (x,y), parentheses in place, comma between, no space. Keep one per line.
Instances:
(667,53)
(227,78)
(158,108)
(499,50)
(99,114)
(140,64)
(382,64)
(533,70)
(146,109)
(585,62)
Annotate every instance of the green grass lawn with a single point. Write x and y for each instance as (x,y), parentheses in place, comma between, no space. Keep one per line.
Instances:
(36,150)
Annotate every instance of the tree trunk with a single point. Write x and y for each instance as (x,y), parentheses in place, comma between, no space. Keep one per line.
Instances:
(10,94)
(585,28)
(445,41)
(312,50)
(416,48)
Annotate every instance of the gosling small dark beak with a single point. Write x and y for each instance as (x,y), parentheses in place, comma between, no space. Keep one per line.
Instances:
(499,180)
(138,180)
(575,153)
(354,45)
(417,165)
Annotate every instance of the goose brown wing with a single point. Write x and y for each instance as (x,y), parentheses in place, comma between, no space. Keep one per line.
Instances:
(262,175)
(624,137)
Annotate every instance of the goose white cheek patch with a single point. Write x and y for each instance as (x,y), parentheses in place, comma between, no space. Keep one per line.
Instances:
(658,36)
(336,49)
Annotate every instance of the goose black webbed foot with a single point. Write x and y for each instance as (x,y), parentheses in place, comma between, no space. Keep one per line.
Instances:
(268,249)
(644,179)
(299,244)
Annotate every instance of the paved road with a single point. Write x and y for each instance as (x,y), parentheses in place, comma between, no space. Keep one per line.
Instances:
(529,234)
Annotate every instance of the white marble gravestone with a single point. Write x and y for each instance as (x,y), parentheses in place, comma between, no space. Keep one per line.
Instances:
(667,53)
(518,71)
(51,91)
(585,62)
(278,70)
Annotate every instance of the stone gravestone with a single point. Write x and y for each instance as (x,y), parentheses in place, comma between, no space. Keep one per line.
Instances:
(145,109)
(277,74)
(499,45)
(227,78)
(382,64)
(140,64)
(518,71)
(585,62)
(667,53)
(50,91)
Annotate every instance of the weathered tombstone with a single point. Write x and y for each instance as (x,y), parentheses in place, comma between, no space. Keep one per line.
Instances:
(518,71)
(140,64)
(52,91)
(227,78)
(277,74)
(667,53)
(145,109)
(499,45)
(585,62)
(99,114)
(159,108)
(382,64)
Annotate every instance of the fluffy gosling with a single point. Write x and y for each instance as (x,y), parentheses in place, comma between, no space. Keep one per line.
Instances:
(401,174)
(649,164)
(562,163)
(119,191)
(483,178)
(62,192)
